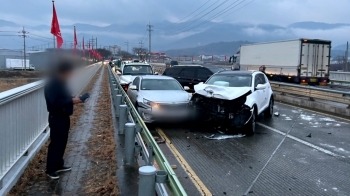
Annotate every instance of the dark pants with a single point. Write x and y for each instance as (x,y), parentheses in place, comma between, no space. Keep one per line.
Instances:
(59,129)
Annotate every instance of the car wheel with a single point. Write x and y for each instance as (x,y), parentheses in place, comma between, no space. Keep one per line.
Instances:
(269,110)
(249,128)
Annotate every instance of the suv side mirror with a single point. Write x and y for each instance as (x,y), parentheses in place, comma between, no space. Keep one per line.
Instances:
(186,88)
(133,87)
(260,87)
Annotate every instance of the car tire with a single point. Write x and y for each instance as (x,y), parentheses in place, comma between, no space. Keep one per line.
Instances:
(249,128)
(269,110)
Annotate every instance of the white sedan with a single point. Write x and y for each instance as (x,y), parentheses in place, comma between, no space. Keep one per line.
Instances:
(159,98)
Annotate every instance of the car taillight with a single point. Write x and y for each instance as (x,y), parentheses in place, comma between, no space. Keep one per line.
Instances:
(126,87)
(325,81)
(303,81)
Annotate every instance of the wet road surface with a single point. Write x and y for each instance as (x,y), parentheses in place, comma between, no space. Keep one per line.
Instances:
(270,162)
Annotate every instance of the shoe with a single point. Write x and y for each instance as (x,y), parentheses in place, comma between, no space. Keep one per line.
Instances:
(64,169)
(54,176)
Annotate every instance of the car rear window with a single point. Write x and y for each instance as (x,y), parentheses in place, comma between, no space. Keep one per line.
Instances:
(171,71)
(174,63)
(215,69)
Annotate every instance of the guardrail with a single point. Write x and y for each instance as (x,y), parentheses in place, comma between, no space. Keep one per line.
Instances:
(339,77)
(131,124)
(312,92)
(24,120)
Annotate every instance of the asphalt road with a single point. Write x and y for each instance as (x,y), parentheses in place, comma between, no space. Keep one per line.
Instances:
(278,160)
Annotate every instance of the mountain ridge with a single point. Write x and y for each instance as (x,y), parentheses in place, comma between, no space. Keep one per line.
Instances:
(165,36)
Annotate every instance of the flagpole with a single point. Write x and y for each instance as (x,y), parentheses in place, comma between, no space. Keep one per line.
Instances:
(54,38)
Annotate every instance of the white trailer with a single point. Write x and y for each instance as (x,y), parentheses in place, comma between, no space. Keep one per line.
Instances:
(18,64)
(299,61)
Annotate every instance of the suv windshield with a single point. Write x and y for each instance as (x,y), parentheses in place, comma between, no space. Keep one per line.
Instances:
(231,80)
(160,84)
(137,70)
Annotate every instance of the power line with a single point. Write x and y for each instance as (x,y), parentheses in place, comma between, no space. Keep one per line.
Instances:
(219,14)
(202,16)
(187,15)
(37,39)
(40,36)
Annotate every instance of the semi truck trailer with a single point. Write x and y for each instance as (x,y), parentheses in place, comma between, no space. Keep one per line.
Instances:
(304,61)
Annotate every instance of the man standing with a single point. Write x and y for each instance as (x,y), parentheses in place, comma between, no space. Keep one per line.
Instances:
(60,106)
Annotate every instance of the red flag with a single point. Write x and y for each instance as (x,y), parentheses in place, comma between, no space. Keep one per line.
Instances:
(83,47)
(75,41)
(55,28)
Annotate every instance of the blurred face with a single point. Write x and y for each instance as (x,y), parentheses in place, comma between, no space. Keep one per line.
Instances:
(66,76)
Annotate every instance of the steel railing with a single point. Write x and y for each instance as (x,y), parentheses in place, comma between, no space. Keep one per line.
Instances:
(339,77)
(312,92)
(24,118)
(145,142)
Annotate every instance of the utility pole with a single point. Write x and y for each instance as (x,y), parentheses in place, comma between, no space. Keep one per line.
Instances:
(127,46)
(140,50)
(96,43)
(149,29)
(24,35)
(141,44)
(347,57)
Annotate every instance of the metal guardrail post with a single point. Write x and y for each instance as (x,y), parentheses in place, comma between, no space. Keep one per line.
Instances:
(114,95)
(130,135)
(118,102)
(147,181)
(150,157)
(149,151)
(122,118)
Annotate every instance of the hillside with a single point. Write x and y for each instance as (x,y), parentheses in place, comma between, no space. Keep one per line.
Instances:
(229,48)
(221,48)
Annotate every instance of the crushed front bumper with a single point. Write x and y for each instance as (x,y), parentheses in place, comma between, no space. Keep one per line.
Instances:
(232,113)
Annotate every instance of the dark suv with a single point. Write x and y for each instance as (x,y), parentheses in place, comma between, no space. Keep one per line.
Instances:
(170,63)
(190,75)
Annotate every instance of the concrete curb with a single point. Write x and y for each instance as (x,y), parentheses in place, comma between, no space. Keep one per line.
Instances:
(313,105)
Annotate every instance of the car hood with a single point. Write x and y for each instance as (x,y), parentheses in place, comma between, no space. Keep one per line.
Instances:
(126,79)
(166,96)
(220,92)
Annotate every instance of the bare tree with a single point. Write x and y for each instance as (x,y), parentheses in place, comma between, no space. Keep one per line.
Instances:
(125,54)
(141,52)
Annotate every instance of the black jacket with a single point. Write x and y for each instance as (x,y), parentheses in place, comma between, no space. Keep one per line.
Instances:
(58,99)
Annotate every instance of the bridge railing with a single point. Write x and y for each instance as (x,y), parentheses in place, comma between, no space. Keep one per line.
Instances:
(24,119)
(312,92)
(339,77)
(135,130)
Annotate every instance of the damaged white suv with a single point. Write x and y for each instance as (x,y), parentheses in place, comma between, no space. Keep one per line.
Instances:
(233,99)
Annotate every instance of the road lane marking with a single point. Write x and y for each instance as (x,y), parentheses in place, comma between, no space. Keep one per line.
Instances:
(300,140)
(270,158)
(317,112)
(187,168)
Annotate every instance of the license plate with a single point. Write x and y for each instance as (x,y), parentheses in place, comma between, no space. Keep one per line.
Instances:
(313,79)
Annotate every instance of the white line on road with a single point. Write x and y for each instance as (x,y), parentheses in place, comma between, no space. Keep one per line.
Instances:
(301,141)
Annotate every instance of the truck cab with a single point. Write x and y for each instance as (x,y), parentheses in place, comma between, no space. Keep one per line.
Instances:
(234,61)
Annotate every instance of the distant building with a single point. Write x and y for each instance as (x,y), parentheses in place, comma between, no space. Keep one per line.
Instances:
(10,54)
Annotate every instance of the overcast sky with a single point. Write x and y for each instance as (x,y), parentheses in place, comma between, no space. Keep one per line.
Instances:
(104,12)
